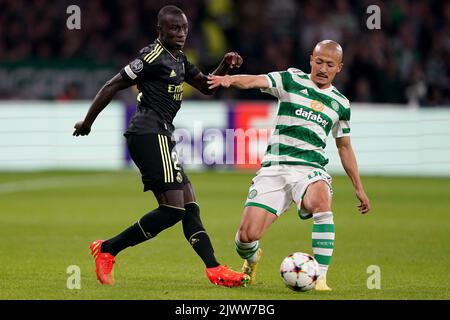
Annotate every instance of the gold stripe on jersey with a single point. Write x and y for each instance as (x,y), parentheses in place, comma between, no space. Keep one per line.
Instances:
(151,52)
(154,55)
(147,55)
(169,158)
(163,158)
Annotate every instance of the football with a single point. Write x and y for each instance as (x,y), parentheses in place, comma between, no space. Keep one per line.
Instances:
(299,271)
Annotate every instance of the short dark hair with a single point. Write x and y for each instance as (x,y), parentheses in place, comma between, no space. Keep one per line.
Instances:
(166,10)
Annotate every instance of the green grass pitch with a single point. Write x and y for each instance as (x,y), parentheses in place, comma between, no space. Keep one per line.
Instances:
(48,220)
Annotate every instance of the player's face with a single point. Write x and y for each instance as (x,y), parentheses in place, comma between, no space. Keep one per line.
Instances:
(173,31)
(325,64)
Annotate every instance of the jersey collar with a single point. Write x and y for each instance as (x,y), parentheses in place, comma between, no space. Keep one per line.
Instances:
(170,53)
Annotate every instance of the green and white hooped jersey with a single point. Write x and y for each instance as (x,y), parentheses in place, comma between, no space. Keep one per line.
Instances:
(306,115)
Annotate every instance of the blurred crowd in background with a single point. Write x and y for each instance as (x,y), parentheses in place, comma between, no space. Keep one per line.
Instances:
(406,61)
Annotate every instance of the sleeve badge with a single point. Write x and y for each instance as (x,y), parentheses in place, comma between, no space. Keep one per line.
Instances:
(137,65)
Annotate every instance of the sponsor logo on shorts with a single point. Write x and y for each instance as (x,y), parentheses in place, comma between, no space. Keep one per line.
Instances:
(314,174)
(252,193)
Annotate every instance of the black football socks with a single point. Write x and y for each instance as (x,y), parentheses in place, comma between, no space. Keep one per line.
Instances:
(196,235)
(145,228)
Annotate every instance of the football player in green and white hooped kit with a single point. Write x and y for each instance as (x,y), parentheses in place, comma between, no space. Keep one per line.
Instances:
(293,167)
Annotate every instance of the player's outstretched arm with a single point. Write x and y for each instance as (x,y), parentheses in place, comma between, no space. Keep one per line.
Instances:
(101,100)
(230,60)
(348,161)
(241,81)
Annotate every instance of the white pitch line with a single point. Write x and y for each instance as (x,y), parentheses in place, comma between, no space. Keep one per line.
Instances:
(55,182)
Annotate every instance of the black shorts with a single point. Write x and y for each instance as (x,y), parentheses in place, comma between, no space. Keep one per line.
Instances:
(157,161)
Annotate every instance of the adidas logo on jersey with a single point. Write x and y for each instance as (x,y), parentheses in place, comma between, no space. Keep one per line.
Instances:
(304,91)
(172,74)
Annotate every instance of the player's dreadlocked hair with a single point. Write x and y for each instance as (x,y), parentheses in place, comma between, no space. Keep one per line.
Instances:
(166,10)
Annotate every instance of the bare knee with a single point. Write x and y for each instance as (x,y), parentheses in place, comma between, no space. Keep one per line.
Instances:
(254,223)
(317,198)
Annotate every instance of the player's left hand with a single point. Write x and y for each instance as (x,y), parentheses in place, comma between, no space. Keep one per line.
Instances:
(364,205)
(217,81)
(233,59)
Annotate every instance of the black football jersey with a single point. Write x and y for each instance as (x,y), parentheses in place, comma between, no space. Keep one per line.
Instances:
(159,77)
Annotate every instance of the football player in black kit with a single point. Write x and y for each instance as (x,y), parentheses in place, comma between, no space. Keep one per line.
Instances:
(159,72)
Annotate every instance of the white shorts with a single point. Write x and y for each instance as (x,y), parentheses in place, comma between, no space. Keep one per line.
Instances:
(274,188)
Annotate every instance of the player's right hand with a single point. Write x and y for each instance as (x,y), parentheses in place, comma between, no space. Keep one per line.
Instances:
(81,129)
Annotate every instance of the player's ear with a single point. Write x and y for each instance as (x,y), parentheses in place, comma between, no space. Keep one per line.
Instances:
(311,60)
(340,67)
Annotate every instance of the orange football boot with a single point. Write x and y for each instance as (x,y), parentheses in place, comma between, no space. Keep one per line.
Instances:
(104,263)
(224,276)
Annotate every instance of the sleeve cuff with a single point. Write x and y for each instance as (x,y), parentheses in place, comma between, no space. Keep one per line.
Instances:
(272,83)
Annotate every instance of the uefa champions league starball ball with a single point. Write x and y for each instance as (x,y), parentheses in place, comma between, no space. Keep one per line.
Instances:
(299,271)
